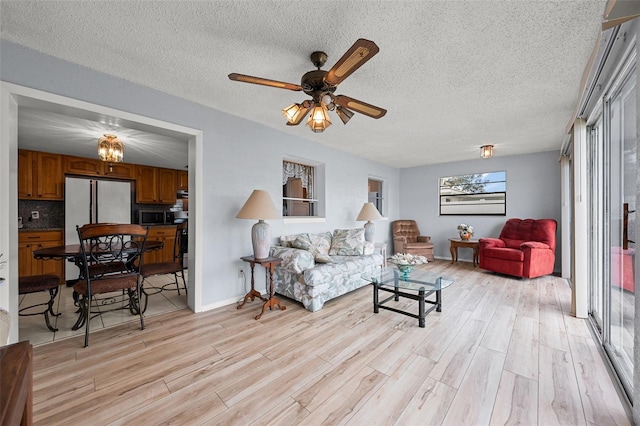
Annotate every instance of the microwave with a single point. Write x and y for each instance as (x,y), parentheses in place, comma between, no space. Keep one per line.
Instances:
(154,217)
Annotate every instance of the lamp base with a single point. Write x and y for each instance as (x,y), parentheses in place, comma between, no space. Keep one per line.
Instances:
(261,239)
(369,231)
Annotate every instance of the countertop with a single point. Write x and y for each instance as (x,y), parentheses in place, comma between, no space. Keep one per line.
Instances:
(39,229)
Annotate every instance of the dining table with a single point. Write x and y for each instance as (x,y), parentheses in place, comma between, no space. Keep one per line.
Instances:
(73,253)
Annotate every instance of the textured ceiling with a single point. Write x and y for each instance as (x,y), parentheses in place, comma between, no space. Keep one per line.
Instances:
(453,75)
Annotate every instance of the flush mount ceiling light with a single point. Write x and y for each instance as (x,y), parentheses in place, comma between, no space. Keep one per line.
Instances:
(320,85)
(486,151)
(110,148)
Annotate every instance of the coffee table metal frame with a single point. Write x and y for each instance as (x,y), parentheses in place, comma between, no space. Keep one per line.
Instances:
(390,280)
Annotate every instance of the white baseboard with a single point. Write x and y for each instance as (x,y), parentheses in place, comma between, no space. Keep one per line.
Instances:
(221,303)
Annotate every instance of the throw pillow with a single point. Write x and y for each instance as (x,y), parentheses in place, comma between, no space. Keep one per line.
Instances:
(293,260)
(287,240)
(321,242)
(304,242)
(347,242)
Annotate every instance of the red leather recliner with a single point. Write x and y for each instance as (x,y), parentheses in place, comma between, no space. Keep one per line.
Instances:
(526,248)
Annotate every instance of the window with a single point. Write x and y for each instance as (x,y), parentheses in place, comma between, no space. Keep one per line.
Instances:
(375,194)
(298,190)
(475,194)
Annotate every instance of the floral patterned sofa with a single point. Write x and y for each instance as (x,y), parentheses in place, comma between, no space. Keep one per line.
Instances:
(318,267)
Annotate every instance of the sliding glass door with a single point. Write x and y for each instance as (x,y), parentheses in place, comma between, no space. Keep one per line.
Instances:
(620,115)
(612,169)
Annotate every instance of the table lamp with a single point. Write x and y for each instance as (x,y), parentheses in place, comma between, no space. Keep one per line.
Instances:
(369,212)
(259,206)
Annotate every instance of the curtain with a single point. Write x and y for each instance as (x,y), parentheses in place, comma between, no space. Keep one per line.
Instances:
(295,170)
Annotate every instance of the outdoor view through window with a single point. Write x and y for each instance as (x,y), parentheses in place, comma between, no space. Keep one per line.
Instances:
(474,194)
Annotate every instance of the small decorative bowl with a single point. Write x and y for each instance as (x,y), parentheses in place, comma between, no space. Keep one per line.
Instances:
(405,269)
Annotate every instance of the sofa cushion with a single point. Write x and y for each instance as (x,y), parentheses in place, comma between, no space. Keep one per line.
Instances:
(514,255)
(343,266)
(293,259)
(321,242)
(287,240)
(347,242)
(317,244)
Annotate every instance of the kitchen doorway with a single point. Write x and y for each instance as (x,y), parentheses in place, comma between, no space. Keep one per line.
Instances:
(14,97)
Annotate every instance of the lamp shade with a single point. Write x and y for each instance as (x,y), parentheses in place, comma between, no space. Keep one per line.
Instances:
(258,206)
(319,118)
(344,114)
(369,212)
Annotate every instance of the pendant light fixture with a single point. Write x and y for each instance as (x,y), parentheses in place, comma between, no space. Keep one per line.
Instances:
(110,148)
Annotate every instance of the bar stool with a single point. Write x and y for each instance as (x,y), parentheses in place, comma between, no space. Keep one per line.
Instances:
(36,283)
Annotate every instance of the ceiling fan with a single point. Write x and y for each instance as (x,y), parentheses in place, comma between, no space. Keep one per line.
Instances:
(321,85)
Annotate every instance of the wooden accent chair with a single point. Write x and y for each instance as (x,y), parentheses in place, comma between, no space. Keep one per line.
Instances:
(526,248)
(110,256)
(35,284)
(407,239)
(175,267)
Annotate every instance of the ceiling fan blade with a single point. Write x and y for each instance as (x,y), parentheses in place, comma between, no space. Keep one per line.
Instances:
(359,106)
(264,82)
(301,116)
(361,51)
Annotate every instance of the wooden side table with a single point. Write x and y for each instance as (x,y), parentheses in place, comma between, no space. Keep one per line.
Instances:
(268,263)
(472,244)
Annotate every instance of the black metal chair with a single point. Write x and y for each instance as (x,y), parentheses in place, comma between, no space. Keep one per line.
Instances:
(37,283)
(175,267)
(111,264)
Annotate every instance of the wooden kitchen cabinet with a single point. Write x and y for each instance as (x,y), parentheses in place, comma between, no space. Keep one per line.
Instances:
(183,180)
(93,167)
(40,176)
(167,186)
(25,174)
(146,184)
(28,242)
(155,185)
(119,170)
(82,166)
(166,235)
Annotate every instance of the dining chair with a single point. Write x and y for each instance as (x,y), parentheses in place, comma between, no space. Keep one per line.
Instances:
(110,259)
(175,266)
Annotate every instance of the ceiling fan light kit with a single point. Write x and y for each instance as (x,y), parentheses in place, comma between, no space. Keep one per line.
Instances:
(319,118)
(320,85)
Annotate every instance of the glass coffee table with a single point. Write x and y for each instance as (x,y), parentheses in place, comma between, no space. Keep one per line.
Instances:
(418,286)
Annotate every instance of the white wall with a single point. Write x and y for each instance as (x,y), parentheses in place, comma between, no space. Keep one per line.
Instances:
(533,191)
(238,156)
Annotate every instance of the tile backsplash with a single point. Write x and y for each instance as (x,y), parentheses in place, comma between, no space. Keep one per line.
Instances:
(51,214)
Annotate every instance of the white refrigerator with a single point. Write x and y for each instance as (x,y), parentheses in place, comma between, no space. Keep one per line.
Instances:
(90,200)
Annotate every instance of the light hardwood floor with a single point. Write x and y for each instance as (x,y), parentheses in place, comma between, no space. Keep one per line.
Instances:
(502,351)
